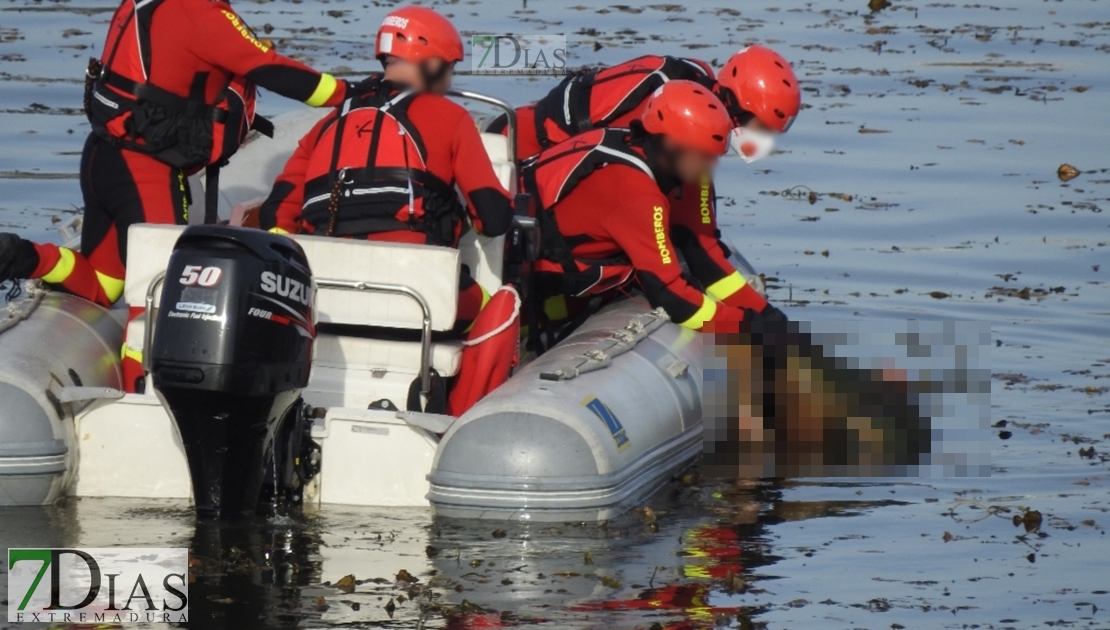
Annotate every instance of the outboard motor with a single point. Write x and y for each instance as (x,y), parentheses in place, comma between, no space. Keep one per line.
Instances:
(231,355)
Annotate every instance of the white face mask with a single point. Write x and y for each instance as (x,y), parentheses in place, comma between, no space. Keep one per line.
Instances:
(751,145)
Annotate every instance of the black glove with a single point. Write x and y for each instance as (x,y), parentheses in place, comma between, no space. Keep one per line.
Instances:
(772,314)
(18,258)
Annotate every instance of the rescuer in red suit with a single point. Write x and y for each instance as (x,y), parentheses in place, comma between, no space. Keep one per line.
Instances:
(386,164)
(174,92)
(760,93)
(605,215)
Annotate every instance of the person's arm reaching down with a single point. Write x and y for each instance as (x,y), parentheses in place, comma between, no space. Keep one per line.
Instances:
(226,42)
(641,229)
(694,229)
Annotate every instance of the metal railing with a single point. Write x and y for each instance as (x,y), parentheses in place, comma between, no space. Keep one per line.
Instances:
(426,327)
(348,285)
(510,113)
(148,318)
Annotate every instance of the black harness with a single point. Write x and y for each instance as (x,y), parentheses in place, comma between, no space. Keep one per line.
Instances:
(359,201)
(175,130)
(568,105)
(613,148)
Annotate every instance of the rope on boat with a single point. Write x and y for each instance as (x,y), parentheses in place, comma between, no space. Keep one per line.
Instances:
(20,310)
(616,344)
(14,291)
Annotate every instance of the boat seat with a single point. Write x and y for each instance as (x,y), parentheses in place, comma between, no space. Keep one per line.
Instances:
(338,351)
(347,370)
(148,254)
(353,371)
(433,272)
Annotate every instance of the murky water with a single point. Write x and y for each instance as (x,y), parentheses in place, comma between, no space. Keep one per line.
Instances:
(930,145)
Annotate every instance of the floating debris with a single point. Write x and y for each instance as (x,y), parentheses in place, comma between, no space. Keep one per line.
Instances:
(1067,172)
(1031,519)
(346,584)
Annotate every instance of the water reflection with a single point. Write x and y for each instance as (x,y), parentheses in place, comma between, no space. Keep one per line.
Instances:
(250,573)
(692,560)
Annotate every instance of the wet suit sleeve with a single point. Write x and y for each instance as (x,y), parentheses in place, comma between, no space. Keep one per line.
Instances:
(226,42)
(695,232)
(281,212)
(641,231)
(490,207)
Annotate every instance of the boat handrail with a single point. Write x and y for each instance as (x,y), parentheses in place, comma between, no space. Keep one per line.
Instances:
(348,285)
(617,343)
(398,289)
(148,318)
(510,114)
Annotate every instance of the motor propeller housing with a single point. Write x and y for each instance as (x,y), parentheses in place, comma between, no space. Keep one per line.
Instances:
(231,354)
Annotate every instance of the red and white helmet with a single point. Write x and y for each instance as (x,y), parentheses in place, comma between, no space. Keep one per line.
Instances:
(690,115)
(763,83)
(418,33)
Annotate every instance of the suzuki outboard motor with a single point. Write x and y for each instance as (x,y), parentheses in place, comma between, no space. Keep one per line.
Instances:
(231,355)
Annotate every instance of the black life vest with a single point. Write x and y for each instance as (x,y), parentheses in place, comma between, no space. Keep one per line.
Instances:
(554,173)
(368,173)
(185,132)
(595,99)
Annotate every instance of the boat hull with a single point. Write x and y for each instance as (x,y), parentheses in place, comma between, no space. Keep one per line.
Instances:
(66,343)
(543,447)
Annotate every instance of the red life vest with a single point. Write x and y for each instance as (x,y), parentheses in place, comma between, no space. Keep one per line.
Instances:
(129,111)
(368,172)
(596,99)
(550,176)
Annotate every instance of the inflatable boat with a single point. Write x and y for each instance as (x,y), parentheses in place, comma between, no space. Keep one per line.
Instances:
(581,432)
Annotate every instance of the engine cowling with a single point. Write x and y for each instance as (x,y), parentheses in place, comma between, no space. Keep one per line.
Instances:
(231,355)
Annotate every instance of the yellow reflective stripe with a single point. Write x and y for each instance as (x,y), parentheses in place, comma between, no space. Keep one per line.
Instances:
(705,313)
(127,353)
(727,286)
(696,572)
(324,90)
(485,300)
(556,308)
(277,230)
(66,262)
(113,287)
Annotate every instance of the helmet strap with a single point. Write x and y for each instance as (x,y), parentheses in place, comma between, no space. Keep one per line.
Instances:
(740,116)
(430,77)
(661,160)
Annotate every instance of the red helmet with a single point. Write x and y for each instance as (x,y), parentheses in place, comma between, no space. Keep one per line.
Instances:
(418,33)
(763,84)
(690,115)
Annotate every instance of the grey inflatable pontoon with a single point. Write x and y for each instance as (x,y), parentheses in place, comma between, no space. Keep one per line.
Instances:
(55,351)
(583,432)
